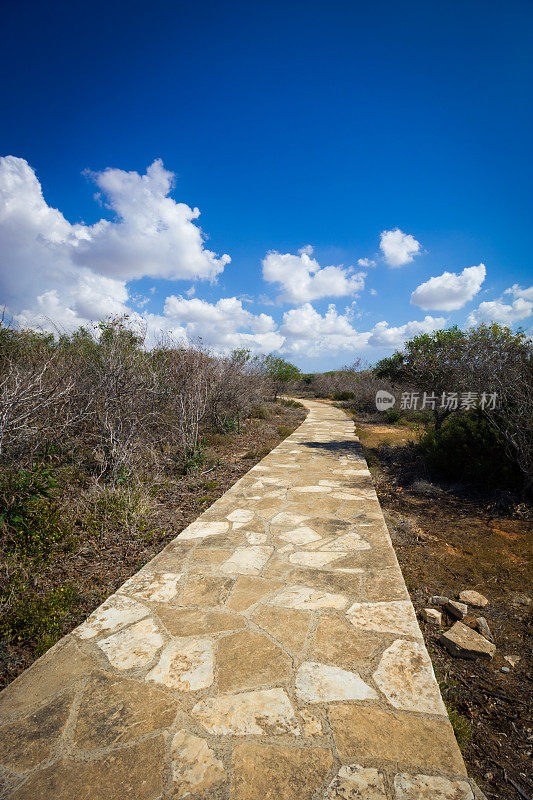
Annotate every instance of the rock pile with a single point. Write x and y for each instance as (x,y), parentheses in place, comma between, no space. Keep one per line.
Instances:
(473,640)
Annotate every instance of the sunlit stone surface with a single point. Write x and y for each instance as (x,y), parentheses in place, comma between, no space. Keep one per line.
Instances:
(354,782)
(194,766)
(156,588)
(307,599)
(201,530)
(246,560)
(115,613)
(186,665)
(396,616)
(320,683)
(405,676)
(266,711)
(134,647)
(430,787)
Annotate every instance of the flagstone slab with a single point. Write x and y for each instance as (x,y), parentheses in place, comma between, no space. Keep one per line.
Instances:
(288,626)
(190,622)
(134,773)
(405,676)
(374,734)
(26,742)
(357,783)
(246,560)
(307,599)
(266,711)
(195,767)
(270,772)
(397,616)
(205,591)
(115,613)
(430,787)
(157,588)
(186,665)
(246,659)
(249,590)
(134,647)
(119,710)
(322,683)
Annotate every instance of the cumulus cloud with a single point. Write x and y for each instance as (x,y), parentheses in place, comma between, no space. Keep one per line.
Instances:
(307,332)
(366,262)
(449,291)
(518,291)
(302,279)
(504,313)
(398,248)
(77,272)
(223,325)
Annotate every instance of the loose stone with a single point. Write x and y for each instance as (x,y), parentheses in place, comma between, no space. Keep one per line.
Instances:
(462,642)
(455,609)
(473,598)
(482,626)
(438,600)
(431,616)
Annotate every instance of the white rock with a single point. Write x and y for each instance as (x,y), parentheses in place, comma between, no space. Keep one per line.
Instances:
(394,616)
(157,588)
(241,515)
(117,612)
(430,787)
(405,676)
(432,616)
(307,599)
(185,664)
(265,711)
(134,647)
(473,598)
(320,683)
(302,535)
(201,530)
(356,783)
(246,560)
(193,763)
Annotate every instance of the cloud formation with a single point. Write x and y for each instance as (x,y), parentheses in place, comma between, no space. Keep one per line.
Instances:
(449,291)
(307,332)
(504,313)
(77,272)
(398,248)
(303,280)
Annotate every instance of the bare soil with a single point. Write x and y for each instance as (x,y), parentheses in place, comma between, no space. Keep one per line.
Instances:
(100,561)
(447,540)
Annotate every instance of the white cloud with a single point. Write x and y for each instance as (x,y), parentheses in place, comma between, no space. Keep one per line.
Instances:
(449,291)
(303,279)
(366,262)
(373,292)
(77,272)
(397,247)
(518,291)
(384,335)
(309,333)
(223,325)
(498,311)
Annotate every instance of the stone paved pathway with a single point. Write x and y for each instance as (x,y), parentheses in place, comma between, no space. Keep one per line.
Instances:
(270,652)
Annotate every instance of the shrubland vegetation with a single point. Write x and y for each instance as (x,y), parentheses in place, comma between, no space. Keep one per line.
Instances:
(97,433)
(482,441)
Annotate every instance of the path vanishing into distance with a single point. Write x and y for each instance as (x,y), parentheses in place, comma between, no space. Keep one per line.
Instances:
(269,652)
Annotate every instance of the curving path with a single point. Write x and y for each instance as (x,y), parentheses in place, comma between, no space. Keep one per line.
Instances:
(269,652)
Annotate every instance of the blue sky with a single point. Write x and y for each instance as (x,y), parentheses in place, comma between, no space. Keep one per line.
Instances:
(339,127)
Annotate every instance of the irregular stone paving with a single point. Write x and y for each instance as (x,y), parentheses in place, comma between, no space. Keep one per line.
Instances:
(269,651)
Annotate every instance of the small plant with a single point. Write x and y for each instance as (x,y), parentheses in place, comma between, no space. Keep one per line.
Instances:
(284,431)
(33,620)
(393,416)
(259,412)
(340,396)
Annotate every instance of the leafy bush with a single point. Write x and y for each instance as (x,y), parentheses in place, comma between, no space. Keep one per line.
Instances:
(467,448)
(343,395)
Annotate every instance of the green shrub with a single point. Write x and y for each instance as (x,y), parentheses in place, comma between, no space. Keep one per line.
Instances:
(259,412)
(33,620)
(393,416)
(30,522)
(343,395)
(467,448)
(284,431)
(289,403)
